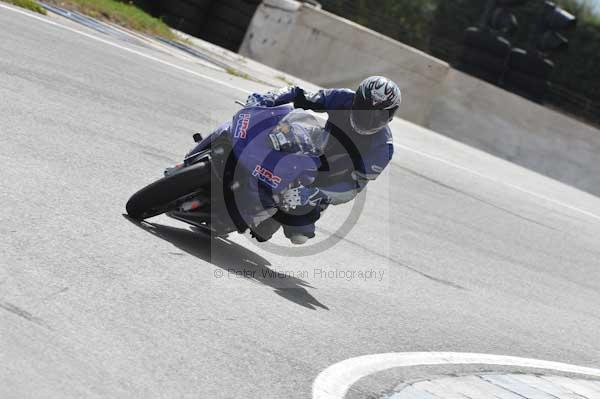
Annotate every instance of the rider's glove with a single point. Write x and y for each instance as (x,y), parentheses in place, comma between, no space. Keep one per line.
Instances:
(260,100)
(304,196)
(300,100)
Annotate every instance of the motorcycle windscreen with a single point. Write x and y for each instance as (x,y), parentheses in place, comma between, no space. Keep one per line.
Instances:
(299,133)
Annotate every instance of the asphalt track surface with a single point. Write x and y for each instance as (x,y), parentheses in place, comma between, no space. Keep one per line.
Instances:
(477,255)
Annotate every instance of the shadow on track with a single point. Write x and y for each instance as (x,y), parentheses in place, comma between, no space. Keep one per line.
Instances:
(233,258)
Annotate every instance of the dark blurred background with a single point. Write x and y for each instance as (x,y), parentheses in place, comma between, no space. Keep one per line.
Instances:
(222,22)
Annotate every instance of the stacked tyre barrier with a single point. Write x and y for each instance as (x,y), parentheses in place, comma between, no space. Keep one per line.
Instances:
(222,22)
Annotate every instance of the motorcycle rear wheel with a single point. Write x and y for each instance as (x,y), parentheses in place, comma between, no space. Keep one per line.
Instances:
(157,197)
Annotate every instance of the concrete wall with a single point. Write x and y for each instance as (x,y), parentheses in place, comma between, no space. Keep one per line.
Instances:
(328,50)
(513,128)
(333,52)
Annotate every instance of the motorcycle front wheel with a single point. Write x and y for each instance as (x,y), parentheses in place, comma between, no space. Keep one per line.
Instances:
(162,195)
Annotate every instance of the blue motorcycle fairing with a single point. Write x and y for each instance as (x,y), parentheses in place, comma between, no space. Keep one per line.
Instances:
(277,170)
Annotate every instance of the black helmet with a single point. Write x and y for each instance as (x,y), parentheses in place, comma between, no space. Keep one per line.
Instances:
(376,101)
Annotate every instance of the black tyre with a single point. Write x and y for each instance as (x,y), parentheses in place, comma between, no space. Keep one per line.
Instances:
(155,198)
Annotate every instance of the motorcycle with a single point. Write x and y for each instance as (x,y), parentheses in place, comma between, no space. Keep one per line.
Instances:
(240,175)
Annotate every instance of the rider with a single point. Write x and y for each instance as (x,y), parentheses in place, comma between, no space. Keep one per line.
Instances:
(359,147)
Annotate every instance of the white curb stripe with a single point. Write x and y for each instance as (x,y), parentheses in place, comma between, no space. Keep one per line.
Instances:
(335,381)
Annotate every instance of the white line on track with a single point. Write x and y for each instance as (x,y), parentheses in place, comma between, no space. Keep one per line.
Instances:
(497,181)
(192,72)
(228,85)
(335,381)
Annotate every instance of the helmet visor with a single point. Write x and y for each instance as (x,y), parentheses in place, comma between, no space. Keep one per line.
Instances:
(369,121)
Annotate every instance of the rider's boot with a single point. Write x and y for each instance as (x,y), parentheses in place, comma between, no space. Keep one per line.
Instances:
(265,230)
(298,239)
(299,235)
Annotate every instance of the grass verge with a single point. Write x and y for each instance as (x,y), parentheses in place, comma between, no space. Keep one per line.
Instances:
(28,4)
(120,13)
(285,80)
(239,74)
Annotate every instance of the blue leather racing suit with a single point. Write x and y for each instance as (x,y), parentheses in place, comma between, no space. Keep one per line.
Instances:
(350,159)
